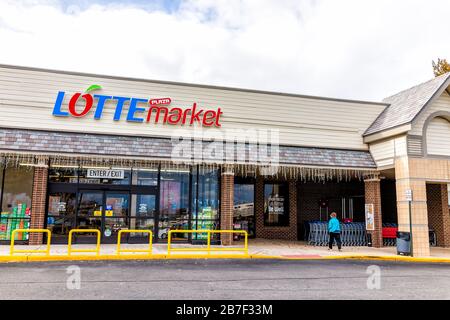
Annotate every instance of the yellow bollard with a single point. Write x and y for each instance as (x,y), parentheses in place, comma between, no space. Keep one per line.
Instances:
(208,249)
(12,250)
(150,242)
(97,248)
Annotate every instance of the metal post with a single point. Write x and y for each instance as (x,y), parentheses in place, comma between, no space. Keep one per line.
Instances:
(169,239)
(208,241)
(410,228)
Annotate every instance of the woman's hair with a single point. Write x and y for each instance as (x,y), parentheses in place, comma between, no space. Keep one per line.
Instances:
(333,215)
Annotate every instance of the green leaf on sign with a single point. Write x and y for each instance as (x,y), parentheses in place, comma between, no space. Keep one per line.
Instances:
(93,87)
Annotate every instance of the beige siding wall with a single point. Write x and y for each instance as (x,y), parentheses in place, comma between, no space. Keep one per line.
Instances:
(27,98)
(384,152)
(441,104)
(438,137)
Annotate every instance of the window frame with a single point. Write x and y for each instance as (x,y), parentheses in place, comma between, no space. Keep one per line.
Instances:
(286,205)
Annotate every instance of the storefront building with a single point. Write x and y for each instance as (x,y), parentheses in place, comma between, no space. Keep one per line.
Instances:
(109,153)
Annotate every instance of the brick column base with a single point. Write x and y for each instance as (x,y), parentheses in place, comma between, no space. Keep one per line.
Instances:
(38,202)
(226,206)
(438,213)
(373,196)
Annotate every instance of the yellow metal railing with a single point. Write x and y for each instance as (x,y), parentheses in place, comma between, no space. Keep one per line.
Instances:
(12,250)
(149,251)
(97,248)
(208,248)
(150,242)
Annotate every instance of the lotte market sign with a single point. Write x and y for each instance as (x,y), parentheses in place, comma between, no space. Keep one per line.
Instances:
(141,110)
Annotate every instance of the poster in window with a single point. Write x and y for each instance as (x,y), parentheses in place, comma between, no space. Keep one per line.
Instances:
(53,204)
(170,196)
(276,205)
(370,218)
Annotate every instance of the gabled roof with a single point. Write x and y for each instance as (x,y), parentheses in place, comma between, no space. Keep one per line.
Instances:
(406,105)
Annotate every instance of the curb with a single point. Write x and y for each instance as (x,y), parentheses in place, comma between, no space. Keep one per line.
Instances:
(125,257)
(122,257)
(379,258)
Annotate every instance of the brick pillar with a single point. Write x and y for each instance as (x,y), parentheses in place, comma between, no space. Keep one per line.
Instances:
(226,205)
(293,210)
(373,196)
(259,207)
(38,202)
(438,213)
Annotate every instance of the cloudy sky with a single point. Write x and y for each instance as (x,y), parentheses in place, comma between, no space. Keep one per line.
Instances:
(359,49)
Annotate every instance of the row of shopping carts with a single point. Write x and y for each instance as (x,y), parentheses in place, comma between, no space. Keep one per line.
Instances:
(352,234)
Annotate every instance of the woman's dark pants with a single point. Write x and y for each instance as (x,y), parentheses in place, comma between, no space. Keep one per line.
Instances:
(337,236)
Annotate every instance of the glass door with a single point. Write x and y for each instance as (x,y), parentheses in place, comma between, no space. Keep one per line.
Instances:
(143,215)
(115,217)
(106,211)
(90,214)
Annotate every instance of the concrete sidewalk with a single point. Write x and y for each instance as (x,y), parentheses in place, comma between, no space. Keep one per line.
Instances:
(258,249)
(289,249)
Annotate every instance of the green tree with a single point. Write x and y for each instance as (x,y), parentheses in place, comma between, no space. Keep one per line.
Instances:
(440,67)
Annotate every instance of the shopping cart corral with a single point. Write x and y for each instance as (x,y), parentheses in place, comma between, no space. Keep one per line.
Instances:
(352,234)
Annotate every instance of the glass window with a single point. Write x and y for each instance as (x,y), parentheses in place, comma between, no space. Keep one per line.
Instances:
(143,209)
(140,224)
(116,204)
(16,202)
(67,175)
(18,187)
(2,168)
(276,212)
(61,204)
(143,205)
(83,179)
(61,213)
(145,177)
(112,226)
(205,195)
(90,210)
(174,201)
(208,195)
(243,211)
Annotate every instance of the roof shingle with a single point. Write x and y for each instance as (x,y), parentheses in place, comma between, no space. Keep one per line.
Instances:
(161,148)
(404,106)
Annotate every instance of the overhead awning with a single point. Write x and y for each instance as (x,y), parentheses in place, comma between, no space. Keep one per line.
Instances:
(30,146)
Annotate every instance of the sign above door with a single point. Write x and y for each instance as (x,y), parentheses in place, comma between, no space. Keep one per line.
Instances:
(105,173)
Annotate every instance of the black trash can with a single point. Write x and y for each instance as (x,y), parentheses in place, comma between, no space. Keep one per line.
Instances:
(403,243)
(369,239)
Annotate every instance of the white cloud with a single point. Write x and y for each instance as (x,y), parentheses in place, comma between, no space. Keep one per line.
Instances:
(347,48)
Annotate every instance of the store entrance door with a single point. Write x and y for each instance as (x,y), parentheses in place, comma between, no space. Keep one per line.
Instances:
(106,211)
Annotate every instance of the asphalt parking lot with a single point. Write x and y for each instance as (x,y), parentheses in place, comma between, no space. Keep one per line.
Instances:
(225,279)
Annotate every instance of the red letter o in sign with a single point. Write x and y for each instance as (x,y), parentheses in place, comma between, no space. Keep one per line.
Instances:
(73,101)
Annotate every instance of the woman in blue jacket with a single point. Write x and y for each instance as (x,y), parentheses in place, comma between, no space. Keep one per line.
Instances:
(334,228)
